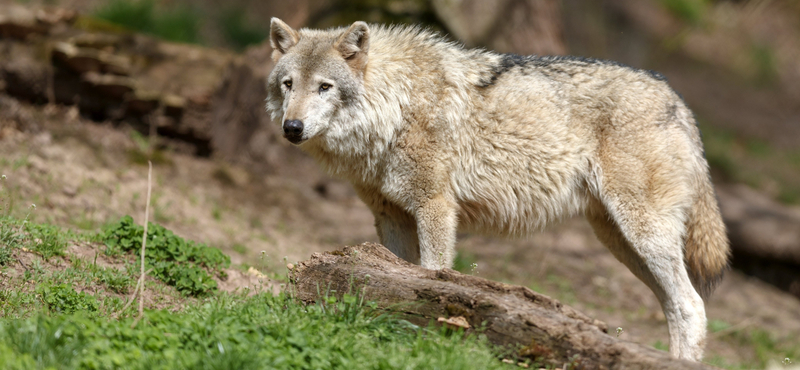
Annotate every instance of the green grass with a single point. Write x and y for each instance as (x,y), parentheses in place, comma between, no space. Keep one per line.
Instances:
(5,255)
(764,345)
(71,318)
(9,238)
(47,284)
(465,263)
(76,288)
(230,331)
(46,240)
(115,280)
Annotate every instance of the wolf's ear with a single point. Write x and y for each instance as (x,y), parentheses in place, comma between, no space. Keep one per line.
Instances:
(353,44)
(281,37)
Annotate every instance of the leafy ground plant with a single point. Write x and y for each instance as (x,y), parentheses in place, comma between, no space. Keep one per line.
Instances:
(62,298)
(176,261)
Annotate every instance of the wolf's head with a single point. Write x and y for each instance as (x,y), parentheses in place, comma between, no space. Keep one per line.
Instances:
(317,73)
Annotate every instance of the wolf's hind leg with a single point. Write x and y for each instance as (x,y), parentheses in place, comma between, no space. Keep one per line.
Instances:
(397,231)
(651,246)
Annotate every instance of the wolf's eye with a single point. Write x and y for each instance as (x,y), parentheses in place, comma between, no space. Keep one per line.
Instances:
(324,87)
(288,84)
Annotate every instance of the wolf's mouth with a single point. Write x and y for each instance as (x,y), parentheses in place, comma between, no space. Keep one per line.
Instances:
(294,139)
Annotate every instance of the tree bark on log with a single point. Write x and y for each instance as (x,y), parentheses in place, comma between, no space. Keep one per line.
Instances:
(515,316)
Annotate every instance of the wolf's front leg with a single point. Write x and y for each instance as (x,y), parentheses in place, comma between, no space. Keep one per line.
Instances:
(436,226)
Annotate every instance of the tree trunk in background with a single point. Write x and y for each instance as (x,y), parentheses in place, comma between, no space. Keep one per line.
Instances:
(541,327)
(507,26)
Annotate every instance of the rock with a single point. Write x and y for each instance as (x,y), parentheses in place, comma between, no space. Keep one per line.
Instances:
(19,22)
(83,60)
(112,85)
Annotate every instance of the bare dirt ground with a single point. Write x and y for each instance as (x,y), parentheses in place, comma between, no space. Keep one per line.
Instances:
(81,174)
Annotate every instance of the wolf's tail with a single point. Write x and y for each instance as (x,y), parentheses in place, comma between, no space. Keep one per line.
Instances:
(707,250)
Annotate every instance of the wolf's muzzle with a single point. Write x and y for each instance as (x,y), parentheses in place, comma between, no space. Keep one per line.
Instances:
(293,130)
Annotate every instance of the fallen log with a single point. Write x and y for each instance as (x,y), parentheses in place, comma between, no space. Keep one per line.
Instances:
(537,326)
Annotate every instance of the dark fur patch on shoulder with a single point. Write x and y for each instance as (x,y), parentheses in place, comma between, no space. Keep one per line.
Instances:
(507,62)
(511,61)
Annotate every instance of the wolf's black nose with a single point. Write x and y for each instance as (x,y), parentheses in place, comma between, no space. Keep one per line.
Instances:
(293,128)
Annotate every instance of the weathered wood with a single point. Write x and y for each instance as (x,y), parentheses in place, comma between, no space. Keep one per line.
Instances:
(541,327)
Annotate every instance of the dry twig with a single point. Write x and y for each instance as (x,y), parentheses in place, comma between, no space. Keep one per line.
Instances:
(139,290)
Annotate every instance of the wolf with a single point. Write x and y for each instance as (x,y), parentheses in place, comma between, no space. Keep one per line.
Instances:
(436,138)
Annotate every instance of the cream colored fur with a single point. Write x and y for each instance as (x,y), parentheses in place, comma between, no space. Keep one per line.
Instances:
(436,138)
